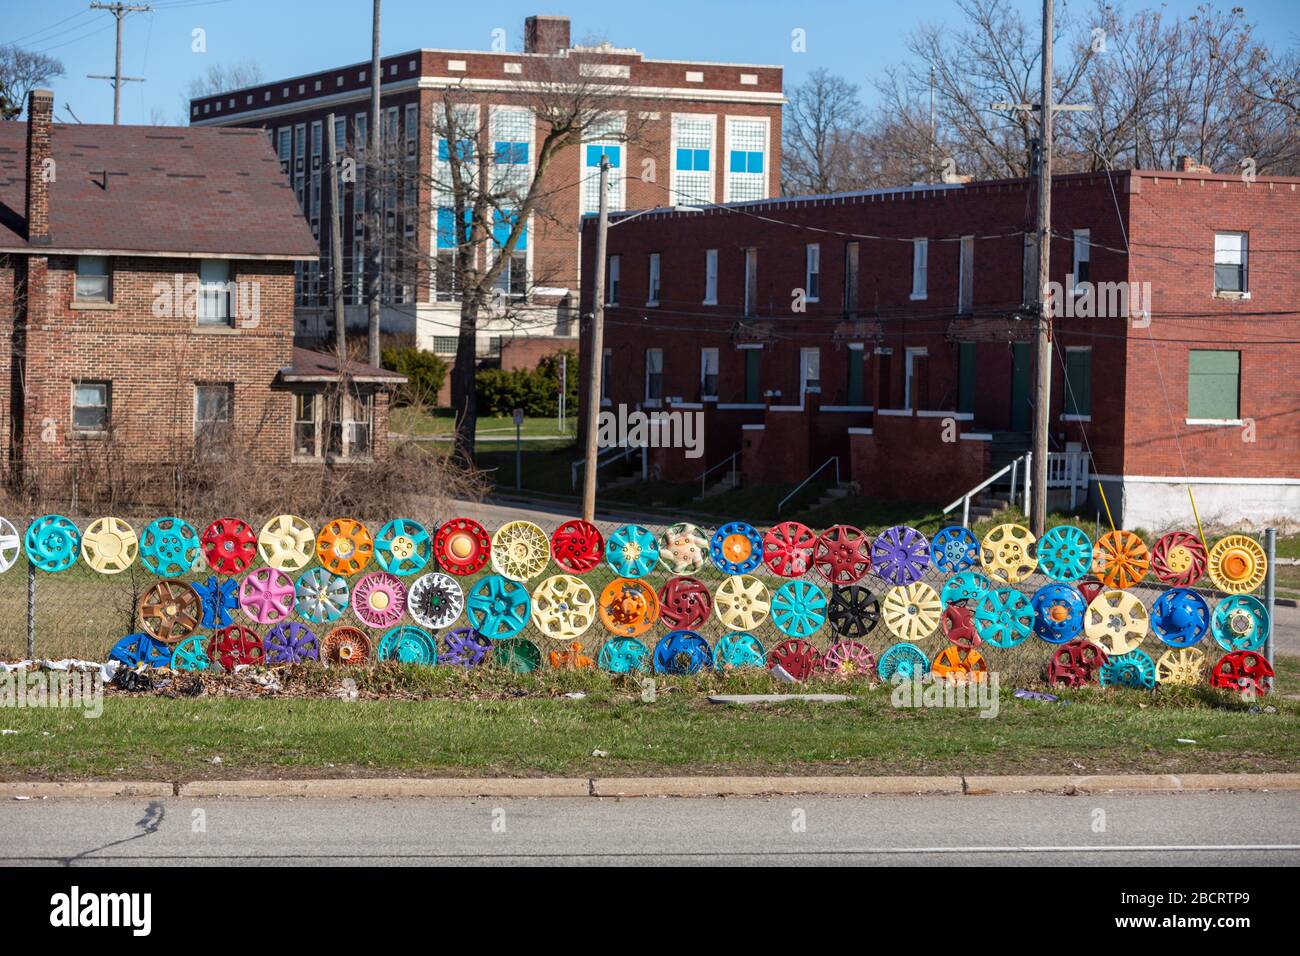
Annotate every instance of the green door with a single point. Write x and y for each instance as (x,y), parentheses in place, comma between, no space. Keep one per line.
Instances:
(753,365)
(966,377)
(1020,386)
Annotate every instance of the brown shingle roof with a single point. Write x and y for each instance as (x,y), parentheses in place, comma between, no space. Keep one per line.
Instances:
(312,366)
(156,189)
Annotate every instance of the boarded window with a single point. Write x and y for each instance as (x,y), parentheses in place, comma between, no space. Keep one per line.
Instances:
(1213,384)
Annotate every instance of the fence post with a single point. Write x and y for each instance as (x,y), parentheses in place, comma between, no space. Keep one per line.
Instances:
(1270,577)
(31,611)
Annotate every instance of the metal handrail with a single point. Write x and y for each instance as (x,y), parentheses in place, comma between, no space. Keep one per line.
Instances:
(620,452)
(834,458)
(985,483)
(707,471)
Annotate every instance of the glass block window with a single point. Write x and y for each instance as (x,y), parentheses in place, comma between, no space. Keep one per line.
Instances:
(512,141)
(746,160)
(692,156)
(444,344)
(604,140)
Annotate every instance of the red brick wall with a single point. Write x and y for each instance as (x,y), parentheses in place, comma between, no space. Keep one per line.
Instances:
(525,353)
(1174,221)
(154,363)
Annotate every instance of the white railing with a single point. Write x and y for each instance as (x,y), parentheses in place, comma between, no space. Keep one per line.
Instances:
(617,453)
(834,459)
(1065,469)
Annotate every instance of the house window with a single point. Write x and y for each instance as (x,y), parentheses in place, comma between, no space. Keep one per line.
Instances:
(1082,258)
(920,260)
(1230,263)
(213,407)
(851,279)
(692,155)
(93,279)
(652,293)
(810,371)
(1078,382)
(611,283)
(91,403)
(654,375)
(512,137)
(812,272)
(446,274)
(746,159)
(966,275)
(751,281)
(711,277)
(708,373)
(304,425)
(445,344)
(214,292)
(349,423)
(1213,385)
(753,380)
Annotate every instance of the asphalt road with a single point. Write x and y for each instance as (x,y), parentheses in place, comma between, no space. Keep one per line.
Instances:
(1197,829)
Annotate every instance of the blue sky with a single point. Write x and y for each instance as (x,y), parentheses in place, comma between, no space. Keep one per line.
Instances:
(854,39)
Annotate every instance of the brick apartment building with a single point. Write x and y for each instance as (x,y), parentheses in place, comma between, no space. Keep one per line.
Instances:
(146,306)
(706,132)
(911,360)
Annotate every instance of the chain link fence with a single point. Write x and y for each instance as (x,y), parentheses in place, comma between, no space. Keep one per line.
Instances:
(80,613)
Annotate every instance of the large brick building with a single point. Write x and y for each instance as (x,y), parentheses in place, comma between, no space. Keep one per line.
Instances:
(146,306)
(707,132)
(889,328)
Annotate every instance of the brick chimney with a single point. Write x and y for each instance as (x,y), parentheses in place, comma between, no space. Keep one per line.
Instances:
(40,113)
(546,34)
(1188,165)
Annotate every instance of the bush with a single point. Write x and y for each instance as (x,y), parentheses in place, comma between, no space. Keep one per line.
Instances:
(536,391)
(425,372)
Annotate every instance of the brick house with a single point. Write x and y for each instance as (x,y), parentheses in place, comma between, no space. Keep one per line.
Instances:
(712,132)
(888,328)
(146,306)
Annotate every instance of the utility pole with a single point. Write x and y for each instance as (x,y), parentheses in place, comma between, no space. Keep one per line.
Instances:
(375,226)
(1043,321)
(1043,335)
(336,243)
(595,356)
(119,10)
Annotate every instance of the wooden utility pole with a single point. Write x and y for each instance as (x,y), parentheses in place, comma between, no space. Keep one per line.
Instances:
(336,242)
(374,223)
(596,355)
(119,10)
(1043,334)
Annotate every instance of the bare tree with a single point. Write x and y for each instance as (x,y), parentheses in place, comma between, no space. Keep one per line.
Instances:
(220,78)
(491,194)
(823,130)
(22,71)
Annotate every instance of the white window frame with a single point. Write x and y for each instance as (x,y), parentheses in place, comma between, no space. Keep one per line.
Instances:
(215,305)
(809,357)
(612,271)
(1082,254)
(678,199)
(730,182)
(1242,253)
(652,282)
(812,271)
(653,401)
(910,354)
(920,268)
(710,276)
(709,356)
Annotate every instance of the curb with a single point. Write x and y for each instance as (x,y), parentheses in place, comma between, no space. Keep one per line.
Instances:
(398,787)
(760,786)
(619,787)
(39,789)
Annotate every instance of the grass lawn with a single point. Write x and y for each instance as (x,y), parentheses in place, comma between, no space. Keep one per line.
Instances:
(411,421)
(449,722)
